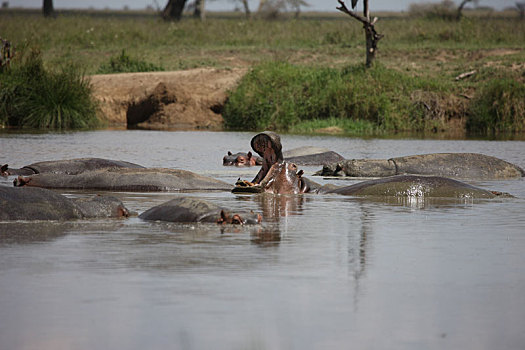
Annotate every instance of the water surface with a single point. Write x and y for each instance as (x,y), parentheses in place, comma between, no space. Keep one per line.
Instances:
(325,272)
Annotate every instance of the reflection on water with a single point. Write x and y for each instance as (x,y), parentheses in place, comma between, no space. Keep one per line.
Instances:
(324,271)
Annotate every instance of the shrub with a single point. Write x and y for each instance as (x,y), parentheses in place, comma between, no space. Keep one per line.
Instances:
(499,106)
(445,10)
(123,63)
(280,96)
(31,96)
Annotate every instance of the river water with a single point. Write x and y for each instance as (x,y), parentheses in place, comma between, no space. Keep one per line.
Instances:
(325,272)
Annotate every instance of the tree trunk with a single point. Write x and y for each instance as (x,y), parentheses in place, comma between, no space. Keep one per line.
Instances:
(200,11)
(372,37)
(460,9)
(47,8)
(521,9)
(173,10)
(262,4)
(246,8)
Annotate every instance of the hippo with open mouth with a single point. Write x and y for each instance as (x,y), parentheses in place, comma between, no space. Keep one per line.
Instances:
(276,175)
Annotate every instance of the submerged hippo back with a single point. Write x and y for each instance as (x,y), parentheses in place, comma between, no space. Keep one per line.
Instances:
(187,209)
(415,186)
(144,180)
(458,165)
(30,203)
(79,165)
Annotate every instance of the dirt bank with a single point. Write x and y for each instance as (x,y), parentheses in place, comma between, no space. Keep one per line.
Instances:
(189,99)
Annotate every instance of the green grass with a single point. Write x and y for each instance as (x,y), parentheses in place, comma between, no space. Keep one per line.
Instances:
(335,126)
(282,96)
(33,97)
(90,40)
(499,107)
(123,63)
(306,72)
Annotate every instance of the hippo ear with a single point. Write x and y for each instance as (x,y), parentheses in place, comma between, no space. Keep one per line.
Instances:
(223,217)
(249,155)
(229,153)
(303,186)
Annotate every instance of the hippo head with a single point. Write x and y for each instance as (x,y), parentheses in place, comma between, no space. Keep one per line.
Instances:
(250,218)
(283,178)
(241,159)
(3,170)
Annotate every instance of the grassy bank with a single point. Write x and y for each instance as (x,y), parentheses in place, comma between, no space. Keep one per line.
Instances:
(412,88)
(356,100)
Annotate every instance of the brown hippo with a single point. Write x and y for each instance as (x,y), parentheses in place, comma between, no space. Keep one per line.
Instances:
(125,179)
(68,166)
(276,175)
(42,204)
(186,210)
(282,178)
(241,159)
(268,145)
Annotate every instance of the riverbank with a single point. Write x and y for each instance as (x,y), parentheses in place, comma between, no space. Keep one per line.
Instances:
(184,100)
(415,49)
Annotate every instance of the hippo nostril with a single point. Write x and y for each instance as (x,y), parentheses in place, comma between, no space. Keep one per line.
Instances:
(123,212)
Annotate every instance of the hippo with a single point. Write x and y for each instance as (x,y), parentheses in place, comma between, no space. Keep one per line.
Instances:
(316,158)
(42,204)
(416,186)
(282,177)
(241,159)
(276,175)
(187,210)
(268,145)
(68,166)
(300,156)
(127,179)
(455,165)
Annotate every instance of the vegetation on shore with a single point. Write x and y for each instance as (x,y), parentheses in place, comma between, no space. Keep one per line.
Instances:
(124,63)
(33,97)
(307,73)
(356,100)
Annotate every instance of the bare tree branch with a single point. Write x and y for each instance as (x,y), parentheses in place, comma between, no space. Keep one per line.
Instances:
(372,37)
(344,9)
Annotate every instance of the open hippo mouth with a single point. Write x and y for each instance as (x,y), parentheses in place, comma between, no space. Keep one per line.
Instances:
(276,176)
(283,178)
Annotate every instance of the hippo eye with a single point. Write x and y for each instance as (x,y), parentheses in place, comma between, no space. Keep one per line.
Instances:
(237,220)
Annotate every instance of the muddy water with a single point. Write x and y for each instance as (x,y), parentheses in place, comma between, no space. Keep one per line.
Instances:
(326,272)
